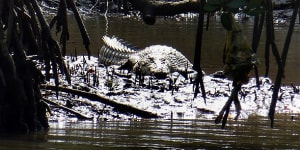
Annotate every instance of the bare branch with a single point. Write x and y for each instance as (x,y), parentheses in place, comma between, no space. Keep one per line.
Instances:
(94,97)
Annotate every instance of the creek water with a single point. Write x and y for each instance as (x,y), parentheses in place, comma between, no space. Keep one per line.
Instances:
(180,33)
(251,133)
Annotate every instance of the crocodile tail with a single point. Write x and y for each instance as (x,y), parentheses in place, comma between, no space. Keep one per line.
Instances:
(115,51)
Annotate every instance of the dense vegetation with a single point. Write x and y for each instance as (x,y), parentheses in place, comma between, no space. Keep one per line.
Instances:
(26,37)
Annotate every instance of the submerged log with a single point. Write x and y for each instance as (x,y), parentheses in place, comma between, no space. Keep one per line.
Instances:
(98,98)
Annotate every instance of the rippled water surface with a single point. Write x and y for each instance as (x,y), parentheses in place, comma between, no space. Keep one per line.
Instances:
(253,133)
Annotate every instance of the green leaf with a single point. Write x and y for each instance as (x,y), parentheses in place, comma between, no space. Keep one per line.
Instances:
(254,4)
(237,4)
(226,21)
(213,5)
(211,8)
(214,2)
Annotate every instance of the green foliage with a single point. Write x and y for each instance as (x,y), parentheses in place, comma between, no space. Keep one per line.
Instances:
(213,5)
(226,7)
(235,4)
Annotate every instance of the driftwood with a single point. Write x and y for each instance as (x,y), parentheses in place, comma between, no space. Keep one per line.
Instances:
(98,98)
(78,114)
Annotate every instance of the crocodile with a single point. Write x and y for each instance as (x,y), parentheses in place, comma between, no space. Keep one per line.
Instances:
(157,60)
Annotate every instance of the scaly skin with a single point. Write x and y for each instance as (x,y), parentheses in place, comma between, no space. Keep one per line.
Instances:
(157,60)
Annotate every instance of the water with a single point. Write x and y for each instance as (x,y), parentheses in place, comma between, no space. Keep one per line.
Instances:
(180,33)
(252,133)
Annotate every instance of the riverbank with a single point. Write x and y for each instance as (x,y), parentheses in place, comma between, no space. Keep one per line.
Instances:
(158,96)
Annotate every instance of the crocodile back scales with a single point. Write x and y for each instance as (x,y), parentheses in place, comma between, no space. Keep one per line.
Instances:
(167,56)
(155,59)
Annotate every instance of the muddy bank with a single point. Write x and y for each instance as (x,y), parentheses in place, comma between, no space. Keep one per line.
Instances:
(156,95)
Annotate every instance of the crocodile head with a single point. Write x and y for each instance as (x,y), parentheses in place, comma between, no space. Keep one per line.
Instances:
(152,66)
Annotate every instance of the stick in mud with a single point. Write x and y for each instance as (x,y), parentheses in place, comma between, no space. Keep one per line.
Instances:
(94,97)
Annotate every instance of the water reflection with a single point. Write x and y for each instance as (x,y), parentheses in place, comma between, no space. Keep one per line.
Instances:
(30,141)
(252,133)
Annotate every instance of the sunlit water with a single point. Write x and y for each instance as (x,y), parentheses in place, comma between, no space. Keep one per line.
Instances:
(253,133)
